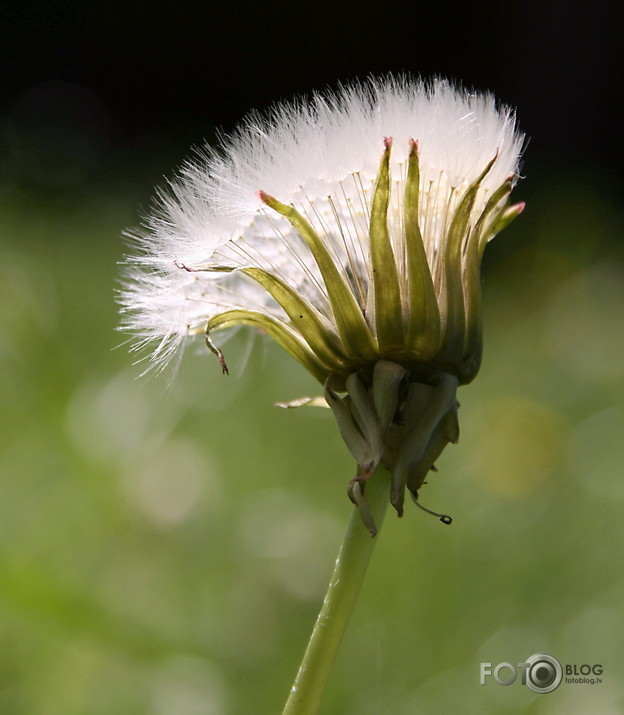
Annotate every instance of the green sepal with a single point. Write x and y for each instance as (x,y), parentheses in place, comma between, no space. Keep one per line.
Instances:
(502,219)
(387,378)
(364,413)
(473,336)
(423,330)
(454,316)
(418,397)
(283,335)
(446,431)
(419,436)
(412,408)
(315,329)
(356,335)
(355,491)
(350,432)
(385,278)
(484,232)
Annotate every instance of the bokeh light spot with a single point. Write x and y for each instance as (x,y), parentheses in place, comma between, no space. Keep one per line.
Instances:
(593,462)
(519,445)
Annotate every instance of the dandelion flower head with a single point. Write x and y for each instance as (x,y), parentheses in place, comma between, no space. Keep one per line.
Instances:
(349,227)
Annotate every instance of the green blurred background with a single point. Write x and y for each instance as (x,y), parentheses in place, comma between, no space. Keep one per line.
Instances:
(165,547)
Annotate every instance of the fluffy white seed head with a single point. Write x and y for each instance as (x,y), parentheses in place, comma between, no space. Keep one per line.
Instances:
(322,156)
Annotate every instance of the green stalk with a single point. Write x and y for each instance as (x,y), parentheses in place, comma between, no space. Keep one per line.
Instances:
(344,587)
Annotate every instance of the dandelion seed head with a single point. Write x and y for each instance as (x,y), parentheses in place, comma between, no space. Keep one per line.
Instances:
(320,155)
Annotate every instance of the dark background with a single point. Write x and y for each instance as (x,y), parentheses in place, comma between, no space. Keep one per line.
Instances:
(122,85)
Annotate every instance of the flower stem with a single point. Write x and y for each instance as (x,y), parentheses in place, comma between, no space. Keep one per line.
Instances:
(344,587)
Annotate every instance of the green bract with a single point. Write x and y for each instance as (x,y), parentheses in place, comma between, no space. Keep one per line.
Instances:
(429,324)
(400,363)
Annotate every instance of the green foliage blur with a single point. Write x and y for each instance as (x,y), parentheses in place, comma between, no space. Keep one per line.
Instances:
(165,544)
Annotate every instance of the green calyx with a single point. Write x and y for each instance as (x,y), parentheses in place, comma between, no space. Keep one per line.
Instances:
(387,418)
(428,322)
